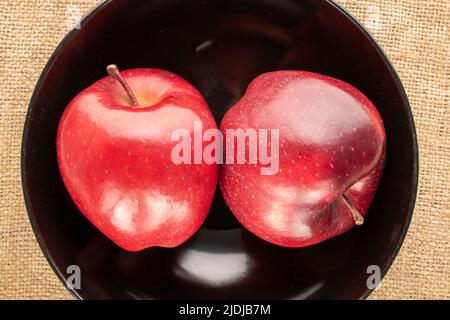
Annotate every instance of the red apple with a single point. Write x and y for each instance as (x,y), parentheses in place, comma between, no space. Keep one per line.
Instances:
(114,153)
(331,157)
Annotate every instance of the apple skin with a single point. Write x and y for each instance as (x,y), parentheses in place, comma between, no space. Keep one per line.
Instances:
(115,159)
(332,141)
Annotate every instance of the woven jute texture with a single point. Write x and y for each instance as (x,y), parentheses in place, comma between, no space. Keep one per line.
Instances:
(414,33)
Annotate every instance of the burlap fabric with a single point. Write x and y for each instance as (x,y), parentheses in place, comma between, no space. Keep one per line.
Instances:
(414,33)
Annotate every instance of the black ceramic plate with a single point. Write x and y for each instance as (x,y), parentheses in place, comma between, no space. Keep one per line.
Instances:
(219,46)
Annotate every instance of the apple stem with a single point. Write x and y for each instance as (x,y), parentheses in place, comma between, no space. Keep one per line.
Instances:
(114,72)
(359,219)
